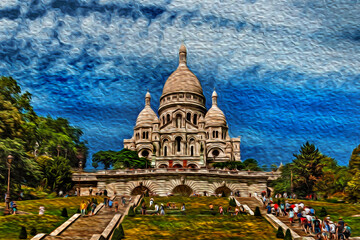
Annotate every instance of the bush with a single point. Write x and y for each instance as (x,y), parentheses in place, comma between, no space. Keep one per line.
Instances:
(78,211)
(131,212)
(33,231)
(280,233)
(232,202)
(288,235)
(257,212)
(323,212)
(23,234)
(94,200)
(64,213)
(118,233)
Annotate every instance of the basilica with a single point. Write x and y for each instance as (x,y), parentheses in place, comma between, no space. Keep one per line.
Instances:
(184,134)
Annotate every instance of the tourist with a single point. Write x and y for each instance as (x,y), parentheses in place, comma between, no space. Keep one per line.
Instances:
(309,223)
(105,192)
(41,210)
(325,229)
(151,202)
(82,208)
(183,207)
(14,208)
(105,202)
(211,207)
(61,193)
(282,208)
(268,208)
(332,230)
(162,209)
(156,209)
(291,216)
(88,207)
(123,201)
(236,211)
(90,191)
(143,209)
(221,210)
(228,209)
(116,205)
(317,227)
(110,203)
(93,207)
(340,228)
(347,231)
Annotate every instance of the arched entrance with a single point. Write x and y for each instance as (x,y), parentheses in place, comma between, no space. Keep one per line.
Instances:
(139,190)
(163,166)
(223,191)
(192,166)
(182,190)
(177,166)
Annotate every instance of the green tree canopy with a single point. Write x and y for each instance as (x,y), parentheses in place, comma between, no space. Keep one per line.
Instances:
(354,163)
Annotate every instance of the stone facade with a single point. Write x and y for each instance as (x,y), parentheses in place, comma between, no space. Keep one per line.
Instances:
(184,134)
(163,182)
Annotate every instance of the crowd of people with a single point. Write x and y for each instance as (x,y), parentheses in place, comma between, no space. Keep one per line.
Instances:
(306,218)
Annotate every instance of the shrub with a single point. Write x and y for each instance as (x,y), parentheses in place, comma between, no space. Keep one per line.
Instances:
(78,211)
(131,212)
(323,212)
(146,194)
(232,202)
(118,233)
(23,234)
(280,233)
(257,212)
(64,213)
(33,231)
(288,235)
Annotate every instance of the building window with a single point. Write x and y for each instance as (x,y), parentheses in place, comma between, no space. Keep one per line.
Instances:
(143,135)
(188,117)
(168,118)
(145,153)
(178,121)
(165,151)
(192,151)
(217,134)
(195,119)
(147,135)
(163,120)
(215,153)
(213,134)
(178,144)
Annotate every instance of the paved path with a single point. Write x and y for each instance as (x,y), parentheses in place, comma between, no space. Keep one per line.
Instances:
(84,227)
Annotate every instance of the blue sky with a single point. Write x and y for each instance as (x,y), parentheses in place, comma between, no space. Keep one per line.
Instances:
(285,71)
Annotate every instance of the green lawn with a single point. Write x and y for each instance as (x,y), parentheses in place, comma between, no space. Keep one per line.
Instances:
(196,224)
(10,225)
(336,210)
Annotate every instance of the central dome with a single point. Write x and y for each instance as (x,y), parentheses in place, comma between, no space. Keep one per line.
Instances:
(182,80)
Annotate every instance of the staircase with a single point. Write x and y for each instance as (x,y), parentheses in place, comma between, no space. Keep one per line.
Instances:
(85,227)
(253,203)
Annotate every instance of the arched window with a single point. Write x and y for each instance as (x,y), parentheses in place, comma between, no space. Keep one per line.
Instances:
(213,134)
(168,118)
(147,135)
(145,153)
(143,135)
(195,119)
(188,117)
(178,143)
(192,151)
(163,120)
(217,134)
(165,151)
(178,121)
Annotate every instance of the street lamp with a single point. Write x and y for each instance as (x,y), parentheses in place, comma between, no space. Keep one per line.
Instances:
(7,199)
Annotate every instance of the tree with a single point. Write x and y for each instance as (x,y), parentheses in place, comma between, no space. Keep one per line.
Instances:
(23,233)
(280,233)
(257,212)
(288,234)
(131,212)
(64,213)
(353,188)
(354,163)
(118,233)
(57,174)
(252,165)
(33,231)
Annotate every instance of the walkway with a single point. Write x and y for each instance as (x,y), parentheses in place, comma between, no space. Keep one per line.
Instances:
(84,227)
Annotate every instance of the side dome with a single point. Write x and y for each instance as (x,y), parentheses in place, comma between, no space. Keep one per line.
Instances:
(147,116)
(182,79)
(215,117)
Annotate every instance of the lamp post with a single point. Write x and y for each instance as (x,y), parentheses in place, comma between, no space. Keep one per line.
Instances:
(7,199)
